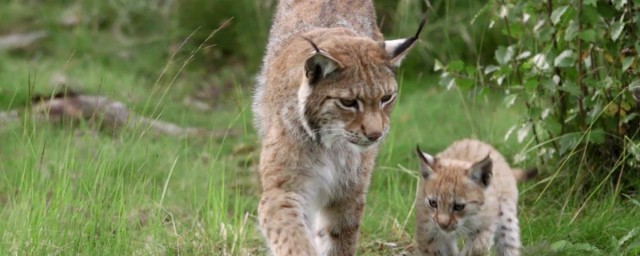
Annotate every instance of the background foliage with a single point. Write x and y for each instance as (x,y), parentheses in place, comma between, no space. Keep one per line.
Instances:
(573,64)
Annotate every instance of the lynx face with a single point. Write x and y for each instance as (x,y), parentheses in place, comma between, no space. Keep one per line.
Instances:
(454,190)
(348,92)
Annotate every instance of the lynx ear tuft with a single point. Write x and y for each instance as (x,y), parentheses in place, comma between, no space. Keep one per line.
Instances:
(426,163)
(320,64)
(398,49)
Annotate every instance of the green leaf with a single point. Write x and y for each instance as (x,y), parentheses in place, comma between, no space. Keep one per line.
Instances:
(570,87)
(504,54)
(447,81)
(523,132)
(557,14)
(516,30)
(510,100)
(549,85)
(568,141)
(593,3)
(455,66)
(588,35)
(634,84)
(545,113)
(626,63)
(619,4)
(572,31)
(530,85)
(471,71)
(509,132)
(545,34)
(490,69)
(616,30)
(552,126)
(628,236)
(566,59)
(633,200)
(629,117)
(586,247)
(523,55)
(596,136)
(437,66)
(540,60)
(560,245)
(464,83)
(592,15)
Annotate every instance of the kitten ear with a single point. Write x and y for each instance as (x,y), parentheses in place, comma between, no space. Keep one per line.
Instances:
(398,49)
(426,163)
(319,64)
(482,171)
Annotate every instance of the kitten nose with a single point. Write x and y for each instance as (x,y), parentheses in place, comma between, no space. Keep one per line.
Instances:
(444,226)
(374,136)
(445,223)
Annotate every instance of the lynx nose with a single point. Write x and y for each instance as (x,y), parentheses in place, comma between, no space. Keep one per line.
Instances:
(374,136)
(445,226)
(445,223)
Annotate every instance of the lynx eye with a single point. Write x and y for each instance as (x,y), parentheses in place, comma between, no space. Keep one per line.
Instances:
(349,103)
(386,98)
(433,204)
(458,207)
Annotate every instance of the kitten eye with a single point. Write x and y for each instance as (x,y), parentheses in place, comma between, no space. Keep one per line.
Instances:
(386,98)
(349,103)
(458,207)
(433,204)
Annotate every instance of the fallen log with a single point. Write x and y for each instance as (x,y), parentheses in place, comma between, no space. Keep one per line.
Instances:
(100,112)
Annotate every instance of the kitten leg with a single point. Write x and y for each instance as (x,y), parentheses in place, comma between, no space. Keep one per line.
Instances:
(479,242)
(507,236)
(283,223)
(430,242)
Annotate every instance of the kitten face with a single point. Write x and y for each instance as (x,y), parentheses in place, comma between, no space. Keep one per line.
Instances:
(454,190)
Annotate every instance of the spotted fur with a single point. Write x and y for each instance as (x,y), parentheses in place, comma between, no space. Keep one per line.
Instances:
(468,190)
(321,107)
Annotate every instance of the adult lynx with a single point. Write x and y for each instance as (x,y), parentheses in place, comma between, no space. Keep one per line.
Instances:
(468,189)
(321,106)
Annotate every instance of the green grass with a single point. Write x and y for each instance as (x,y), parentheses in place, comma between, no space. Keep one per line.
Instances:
(75,191)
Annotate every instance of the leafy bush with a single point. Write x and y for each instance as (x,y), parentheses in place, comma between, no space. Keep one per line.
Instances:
(456,29)
(573,64)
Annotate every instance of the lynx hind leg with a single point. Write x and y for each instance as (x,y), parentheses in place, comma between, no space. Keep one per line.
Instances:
(282,222)
(507,235)
(338,229)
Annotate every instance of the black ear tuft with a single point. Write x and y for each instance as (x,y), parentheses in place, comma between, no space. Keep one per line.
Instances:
(426,163)
(398,49)
(315,47)
(419,153)
(410,41)
(319,65)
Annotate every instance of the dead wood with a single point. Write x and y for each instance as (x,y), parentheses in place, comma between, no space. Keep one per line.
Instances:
(100,112)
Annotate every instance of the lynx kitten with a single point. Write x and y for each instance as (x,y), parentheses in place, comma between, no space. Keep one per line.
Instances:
(321,107)
(467,190)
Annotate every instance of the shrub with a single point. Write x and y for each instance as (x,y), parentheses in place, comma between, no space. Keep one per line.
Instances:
(573,64)
(455,30)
